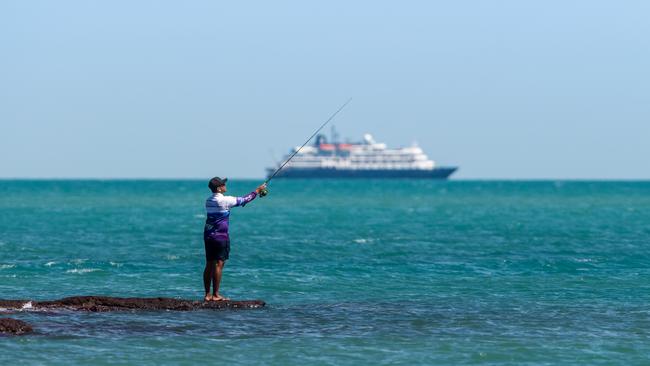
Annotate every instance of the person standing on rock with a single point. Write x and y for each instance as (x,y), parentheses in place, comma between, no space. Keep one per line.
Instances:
(215,233)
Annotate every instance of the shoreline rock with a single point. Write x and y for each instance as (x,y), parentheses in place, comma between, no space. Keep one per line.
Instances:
(106,303)
(14,327)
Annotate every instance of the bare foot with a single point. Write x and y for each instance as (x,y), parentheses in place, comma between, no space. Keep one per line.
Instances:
(208,297)
(219,298)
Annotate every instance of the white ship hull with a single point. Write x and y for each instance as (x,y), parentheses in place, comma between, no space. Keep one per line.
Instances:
(435,173)
(367,159)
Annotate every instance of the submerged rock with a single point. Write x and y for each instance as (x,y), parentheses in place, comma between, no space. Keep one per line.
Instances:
(14,326)
(105,303)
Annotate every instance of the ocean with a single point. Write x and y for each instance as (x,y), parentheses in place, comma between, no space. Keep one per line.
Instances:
(353,272)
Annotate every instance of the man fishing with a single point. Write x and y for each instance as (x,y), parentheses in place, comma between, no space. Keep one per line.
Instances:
(215,233)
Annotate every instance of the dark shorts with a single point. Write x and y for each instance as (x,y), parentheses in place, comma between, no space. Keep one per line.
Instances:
(216,250)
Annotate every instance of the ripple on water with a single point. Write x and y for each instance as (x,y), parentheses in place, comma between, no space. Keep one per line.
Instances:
(82,270)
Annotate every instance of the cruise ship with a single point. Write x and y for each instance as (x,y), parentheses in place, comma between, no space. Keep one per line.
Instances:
(366,159)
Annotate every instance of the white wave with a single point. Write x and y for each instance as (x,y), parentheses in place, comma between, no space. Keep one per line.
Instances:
(50,264)
(27,305)
(7,266)
(362,241)
(584,260)
(82,270)
(171,257)
(115,264)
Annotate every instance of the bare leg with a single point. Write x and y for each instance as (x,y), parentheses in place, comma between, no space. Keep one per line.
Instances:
(217,280)
(208,274)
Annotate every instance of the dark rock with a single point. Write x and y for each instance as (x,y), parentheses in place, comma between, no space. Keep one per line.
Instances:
(14,326)
(12,304)
(104,303)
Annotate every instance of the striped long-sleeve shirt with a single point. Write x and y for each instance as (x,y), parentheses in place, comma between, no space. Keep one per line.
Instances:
(217,208)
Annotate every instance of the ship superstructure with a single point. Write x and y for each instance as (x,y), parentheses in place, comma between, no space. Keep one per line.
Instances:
(366,159)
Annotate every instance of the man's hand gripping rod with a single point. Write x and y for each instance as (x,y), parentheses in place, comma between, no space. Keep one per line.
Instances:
(263,192)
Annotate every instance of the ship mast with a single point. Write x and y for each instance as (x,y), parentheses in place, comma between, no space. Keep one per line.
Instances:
(335,135)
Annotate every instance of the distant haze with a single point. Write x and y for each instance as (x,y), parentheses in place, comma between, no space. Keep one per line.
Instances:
(191,89)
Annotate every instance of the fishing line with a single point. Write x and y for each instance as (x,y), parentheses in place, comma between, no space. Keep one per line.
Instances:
(265,192)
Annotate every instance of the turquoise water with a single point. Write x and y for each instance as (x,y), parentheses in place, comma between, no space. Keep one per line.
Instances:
(353,272)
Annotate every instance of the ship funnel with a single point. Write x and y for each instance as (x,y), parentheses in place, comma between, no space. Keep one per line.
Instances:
(368,138)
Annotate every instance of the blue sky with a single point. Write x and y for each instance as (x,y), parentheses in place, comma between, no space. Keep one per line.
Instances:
(192,89)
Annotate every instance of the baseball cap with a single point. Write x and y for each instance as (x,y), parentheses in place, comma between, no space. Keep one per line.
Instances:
(216,182)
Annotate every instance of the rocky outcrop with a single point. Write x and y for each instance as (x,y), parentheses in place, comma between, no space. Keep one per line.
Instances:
(12,304)
(14,326)
(105,303)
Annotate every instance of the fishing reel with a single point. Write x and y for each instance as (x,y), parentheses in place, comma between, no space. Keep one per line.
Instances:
(263,192)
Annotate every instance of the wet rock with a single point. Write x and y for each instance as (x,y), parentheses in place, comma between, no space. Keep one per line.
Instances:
(105,303)
(12,304)
(14,326)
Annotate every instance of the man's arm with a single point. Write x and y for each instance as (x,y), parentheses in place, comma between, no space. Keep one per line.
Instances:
(242,201)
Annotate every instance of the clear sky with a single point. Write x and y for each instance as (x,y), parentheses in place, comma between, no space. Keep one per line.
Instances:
(191,89)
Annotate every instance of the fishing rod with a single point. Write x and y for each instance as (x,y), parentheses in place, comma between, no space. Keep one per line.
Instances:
(264,192)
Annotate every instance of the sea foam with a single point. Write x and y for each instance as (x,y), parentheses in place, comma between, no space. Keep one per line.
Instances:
(82,270)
